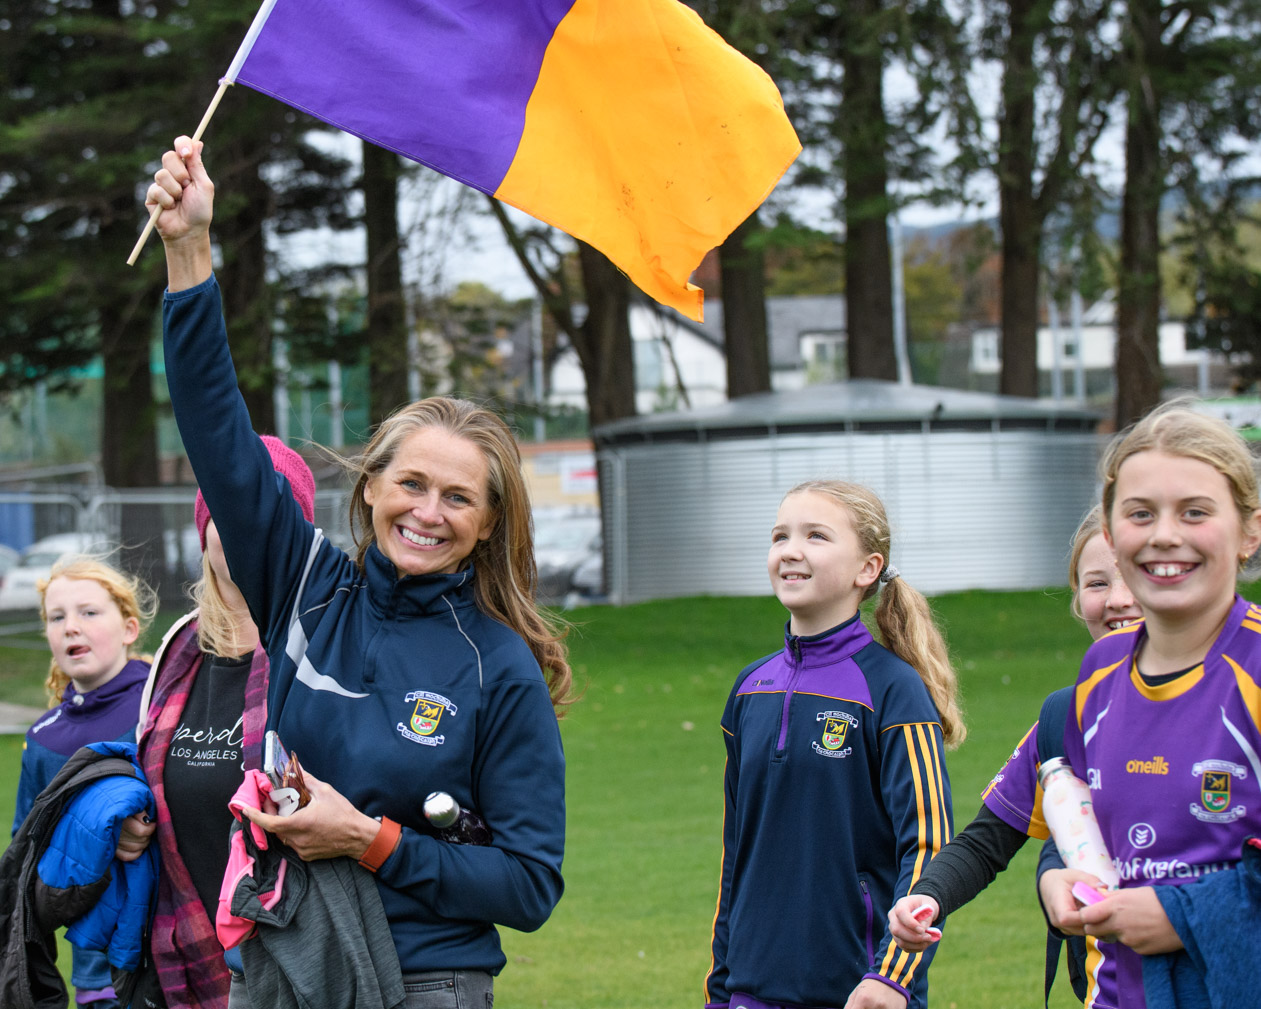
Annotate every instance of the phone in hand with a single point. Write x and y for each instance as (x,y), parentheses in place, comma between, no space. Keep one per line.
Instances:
(289,789)
(275,758)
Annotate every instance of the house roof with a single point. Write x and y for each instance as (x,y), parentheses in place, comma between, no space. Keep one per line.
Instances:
(859,405)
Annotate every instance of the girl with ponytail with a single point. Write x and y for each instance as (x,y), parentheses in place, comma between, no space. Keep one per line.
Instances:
(836,792)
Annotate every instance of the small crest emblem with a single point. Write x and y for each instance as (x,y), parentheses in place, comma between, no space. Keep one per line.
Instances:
(834,730)
(1215,790)
(425,718)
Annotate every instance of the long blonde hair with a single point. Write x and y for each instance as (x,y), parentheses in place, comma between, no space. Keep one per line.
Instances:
(133,597)
(902,614)
(216,625)
(507,576)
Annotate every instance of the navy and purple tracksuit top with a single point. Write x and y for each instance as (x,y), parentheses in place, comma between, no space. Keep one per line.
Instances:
(836,799)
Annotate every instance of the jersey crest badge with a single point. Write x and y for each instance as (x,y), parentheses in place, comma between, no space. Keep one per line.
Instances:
(426,716)
(836,726)
(834,733)
(1215,791)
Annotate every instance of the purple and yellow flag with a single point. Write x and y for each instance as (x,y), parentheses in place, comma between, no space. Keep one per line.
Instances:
(627,123)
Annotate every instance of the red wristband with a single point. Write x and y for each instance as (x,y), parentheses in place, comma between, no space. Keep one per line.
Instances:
(382,846)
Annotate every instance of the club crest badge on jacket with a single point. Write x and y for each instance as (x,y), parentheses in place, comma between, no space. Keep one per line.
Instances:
(426,716)
(836,725)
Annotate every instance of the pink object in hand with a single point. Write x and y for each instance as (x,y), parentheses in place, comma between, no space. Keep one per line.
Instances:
(1086,894)
(923,913)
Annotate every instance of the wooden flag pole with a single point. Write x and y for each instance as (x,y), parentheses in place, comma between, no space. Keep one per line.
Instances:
(157,209)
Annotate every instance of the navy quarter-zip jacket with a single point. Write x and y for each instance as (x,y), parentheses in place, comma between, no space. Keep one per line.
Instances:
(387,688)
(836,798)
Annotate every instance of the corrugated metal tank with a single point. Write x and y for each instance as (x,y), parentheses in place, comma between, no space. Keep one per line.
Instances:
(982,491)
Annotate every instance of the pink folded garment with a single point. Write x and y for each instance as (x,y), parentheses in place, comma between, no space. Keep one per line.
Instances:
(232,929)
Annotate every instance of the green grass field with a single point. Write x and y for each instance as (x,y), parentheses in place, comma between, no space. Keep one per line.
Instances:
(644,794)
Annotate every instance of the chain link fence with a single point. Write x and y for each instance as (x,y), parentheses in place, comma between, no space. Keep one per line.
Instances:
(147,532)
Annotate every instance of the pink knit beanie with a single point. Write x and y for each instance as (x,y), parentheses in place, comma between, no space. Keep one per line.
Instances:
(289,465)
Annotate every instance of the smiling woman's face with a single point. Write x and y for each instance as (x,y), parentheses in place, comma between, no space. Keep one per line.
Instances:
(430,506)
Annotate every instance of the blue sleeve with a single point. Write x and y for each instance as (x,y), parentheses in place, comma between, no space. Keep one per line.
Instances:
(716,992)
(265,536)
(1048,858)
(29,787)
(516,880)
(916,794)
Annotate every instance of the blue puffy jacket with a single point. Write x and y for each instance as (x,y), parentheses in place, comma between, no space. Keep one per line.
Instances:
(60,870)
(81,855)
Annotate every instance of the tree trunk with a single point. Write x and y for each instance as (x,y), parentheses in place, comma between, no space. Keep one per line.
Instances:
(387,320)
(868,272)
(247,305)
(1019,220)
(1138,295)
(603,342)
(743,273)
(129,433)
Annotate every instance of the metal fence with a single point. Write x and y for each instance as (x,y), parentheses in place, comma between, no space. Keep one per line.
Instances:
(147,532)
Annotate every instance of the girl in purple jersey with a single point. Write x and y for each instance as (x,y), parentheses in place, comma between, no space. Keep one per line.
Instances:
(1166,718)
(1011,811)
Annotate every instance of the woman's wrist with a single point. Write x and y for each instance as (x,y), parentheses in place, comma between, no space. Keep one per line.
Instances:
(188,261)
(385,836)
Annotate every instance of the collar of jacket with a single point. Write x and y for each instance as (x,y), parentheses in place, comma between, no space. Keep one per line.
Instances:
(415,594)
(135,671)
(832,645)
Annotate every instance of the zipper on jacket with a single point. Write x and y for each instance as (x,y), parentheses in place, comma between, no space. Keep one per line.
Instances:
(794,649)
(870,911)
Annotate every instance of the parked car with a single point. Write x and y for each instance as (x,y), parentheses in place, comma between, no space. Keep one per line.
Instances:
(588,577)
(563,539)
(8,557)
(19,590)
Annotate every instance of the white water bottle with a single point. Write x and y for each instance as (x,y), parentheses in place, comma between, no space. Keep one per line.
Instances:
(1069,813)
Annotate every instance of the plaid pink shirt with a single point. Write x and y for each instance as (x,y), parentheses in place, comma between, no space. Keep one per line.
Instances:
(187,954)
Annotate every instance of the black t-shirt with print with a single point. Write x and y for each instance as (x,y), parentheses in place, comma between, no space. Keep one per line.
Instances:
(204,768)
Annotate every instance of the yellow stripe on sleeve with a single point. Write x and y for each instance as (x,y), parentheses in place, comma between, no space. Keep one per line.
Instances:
(1083,689)
(1249,691)
(898,965)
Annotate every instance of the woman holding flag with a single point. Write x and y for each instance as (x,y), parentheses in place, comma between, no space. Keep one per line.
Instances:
(421,664)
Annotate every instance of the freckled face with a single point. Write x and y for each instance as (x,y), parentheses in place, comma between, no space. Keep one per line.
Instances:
(86,631)
(430,506)
(817,566)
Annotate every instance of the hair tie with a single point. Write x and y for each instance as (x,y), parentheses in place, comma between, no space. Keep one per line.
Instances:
(888,574)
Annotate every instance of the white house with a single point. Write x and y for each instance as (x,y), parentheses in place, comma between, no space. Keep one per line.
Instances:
(680,363)
(1092,349)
